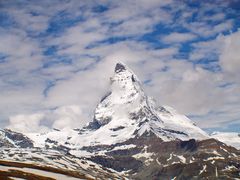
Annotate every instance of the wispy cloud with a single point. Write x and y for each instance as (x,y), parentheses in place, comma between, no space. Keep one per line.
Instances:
(229,56)
(178,37)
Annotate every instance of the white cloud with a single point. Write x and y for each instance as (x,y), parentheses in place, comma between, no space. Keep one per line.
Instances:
(199,21)
(27,123)
(61,118)
(68,117)
(85,88)
(225,48)
(210,49)
(230,54)
(205,30)
(211,97)
(178,37)
(214,17)
(188,89)
(20,87)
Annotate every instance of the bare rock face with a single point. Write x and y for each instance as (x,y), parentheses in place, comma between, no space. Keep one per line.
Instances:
(119,68)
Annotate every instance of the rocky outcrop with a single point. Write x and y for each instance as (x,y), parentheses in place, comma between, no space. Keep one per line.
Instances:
(10,138)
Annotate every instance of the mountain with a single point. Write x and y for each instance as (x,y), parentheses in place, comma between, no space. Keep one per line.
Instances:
(130,136)
(123,113)
(126,111)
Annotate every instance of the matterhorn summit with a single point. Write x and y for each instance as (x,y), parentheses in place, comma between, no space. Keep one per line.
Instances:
(125,93)
(126,111)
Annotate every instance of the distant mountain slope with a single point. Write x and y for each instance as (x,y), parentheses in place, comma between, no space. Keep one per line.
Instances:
(230,138)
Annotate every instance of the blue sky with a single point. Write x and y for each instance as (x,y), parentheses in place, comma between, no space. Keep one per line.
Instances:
(56,58)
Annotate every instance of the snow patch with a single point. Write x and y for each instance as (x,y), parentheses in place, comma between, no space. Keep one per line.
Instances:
(182,158)
(203,170)
(129,146)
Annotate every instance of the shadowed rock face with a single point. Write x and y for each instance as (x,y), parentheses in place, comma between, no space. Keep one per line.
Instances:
(190,145)
(93,125)
(119,68)
(19,139)
(118,163)
(5,144)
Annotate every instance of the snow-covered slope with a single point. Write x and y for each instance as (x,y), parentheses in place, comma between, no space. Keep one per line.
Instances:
(230,138)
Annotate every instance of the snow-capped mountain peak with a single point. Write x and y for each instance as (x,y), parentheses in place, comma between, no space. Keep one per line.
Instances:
(126,111)
(120,67)
(125,85)
(125,92)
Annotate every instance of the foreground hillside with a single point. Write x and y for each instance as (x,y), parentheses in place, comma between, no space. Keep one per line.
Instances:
(43,164)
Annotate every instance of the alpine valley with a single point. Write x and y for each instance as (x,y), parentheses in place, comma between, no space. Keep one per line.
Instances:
(130,137)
